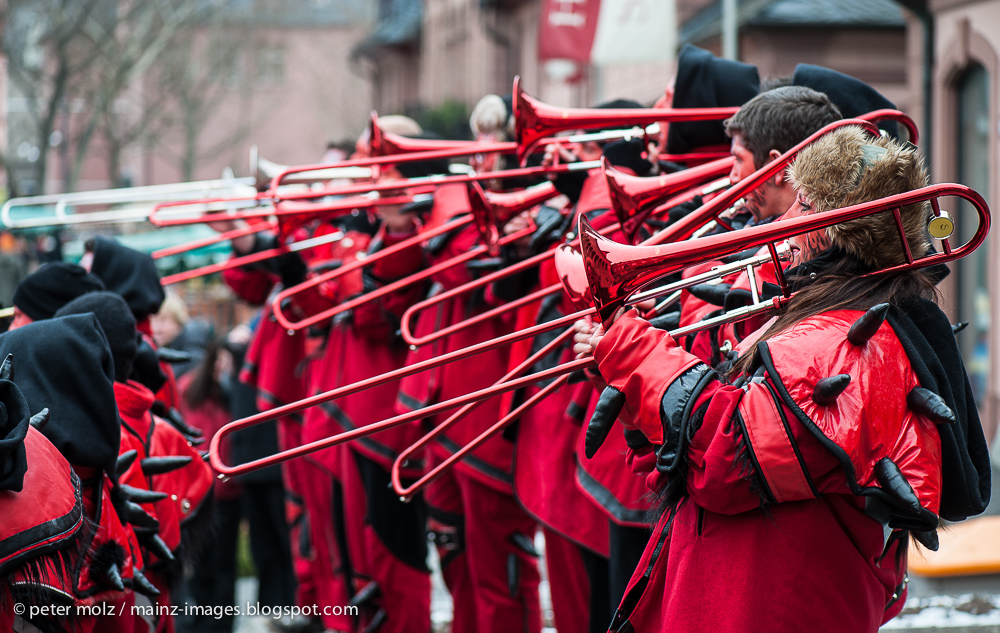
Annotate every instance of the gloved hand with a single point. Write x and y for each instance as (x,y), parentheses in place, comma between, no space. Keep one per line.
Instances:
(629,153)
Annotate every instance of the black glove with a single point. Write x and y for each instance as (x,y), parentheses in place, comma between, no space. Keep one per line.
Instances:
(291,269)
(570,184)
(629,153)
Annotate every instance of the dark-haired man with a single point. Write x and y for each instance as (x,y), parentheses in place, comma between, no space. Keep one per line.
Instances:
(766,127)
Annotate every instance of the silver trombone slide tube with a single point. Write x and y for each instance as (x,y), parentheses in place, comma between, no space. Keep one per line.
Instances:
(139,201)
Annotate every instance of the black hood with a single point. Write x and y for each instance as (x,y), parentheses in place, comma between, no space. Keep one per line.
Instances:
(925,333)
(706,81)
(43,292)
(65,364)
(852,97)
(130,274)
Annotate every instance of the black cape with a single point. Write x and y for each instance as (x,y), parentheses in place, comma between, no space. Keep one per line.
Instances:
(65,364)
(927,337)
(706,81)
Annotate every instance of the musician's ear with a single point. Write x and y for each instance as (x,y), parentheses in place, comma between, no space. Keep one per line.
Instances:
(779,177)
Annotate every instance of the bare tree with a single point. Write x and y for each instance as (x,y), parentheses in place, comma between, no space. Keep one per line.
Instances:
(123,71)
(195,79)
(45,52)
(132,43)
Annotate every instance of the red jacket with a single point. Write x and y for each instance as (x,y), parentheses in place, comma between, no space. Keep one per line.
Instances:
(189,487)
(546,463)
(492,462)
(816,550)
(603,478)
(363,346)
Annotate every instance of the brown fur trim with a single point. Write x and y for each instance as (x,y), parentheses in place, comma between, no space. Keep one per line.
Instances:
(838,171)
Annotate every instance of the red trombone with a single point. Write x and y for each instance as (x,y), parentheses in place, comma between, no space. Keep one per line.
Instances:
(680,230)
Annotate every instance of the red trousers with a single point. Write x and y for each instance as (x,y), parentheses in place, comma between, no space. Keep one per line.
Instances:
(387,545)
(296,475)
(327,565)
(483,538)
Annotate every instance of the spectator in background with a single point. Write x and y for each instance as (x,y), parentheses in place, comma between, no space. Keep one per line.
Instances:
(172,327)
(212,396)
(205,404)
(334,154)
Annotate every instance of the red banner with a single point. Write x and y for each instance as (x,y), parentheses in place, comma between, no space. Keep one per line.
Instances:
(567,29)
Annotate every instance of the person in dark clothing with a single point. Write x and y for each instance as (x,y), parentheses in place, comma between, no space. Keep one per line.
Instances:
(40,295)
(174,328)
(212,396)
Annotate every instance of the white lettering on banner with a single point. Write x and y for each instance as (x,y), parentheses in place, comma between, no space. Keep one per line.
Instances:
(569,13)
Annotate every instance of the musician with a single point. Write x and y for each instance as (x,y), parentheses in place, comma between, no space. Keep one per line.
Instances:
(39,295)
(818,513)
(483,536)
(66,365)
(184,509)
(575,521)
(42,532)
(386,539)
(702,80)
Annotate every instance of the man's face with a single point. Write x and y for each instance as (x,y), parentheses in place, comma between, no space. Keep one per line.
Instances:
(765,201)
(20,319)
(743,160)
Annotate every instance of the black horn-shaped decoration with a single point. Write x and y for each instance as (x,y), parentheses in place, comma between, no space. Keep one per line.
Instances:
(174,417)
(161,465)
(366,594)
(40,419)
(114,577)
(894,482)
(139,517)
(141,495)
(929,404)
(609,406)
(928,539)
(125,460)
(155,544)
(829,389)
(172,356)
(869,323)
(141,584)
(377,620)
(958,327)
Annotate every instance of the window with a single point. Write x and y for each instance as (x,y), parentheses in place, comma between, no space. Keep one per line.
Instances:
(974,171)
(271,64)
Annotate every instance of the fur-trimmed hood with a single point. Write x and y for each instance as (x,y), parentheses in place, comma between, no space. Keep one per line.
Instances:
(848,167)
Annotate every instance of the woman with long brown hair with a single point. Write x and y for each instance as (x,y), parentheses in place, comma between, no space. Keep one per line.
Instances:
(791,483)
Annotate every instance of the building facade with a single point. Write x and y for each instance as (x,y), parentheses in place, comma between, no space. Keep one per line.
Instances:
(964,73)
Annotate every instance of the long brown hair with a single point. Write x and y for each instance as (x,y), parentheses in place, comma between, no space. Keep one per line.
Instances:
(844,285)
(204,386)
